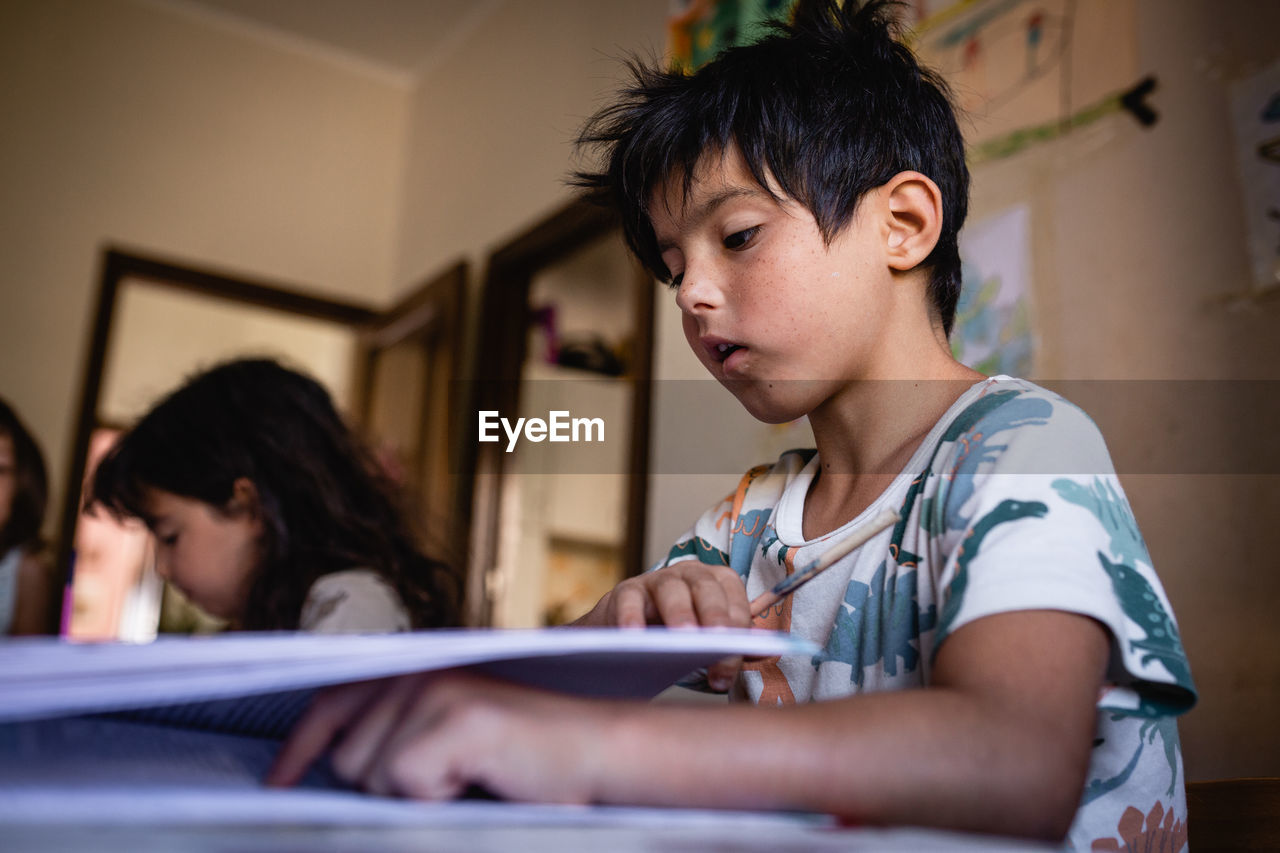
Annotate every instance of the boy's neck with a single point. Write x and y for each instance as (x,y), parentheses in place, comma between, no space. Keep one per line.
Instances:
(867,433)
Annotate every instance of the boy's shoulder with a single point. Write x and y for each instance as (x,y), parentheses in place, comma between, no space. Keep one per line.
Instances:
(1001,422)
(1005,402)
(1015,426)
(998,425)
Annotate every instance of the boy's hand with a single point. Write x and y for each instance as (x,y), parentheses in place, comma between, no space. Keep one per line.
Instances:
(432,736)
(682,595)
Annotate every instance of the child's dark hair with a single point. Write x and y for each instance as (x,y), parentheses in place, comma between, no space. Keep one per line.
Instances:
(830,105)
(325,504)
(30,486)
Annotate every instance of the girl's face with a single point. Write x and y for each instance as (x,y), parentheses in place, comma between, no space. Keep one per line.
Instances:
(210,553)
(8,477)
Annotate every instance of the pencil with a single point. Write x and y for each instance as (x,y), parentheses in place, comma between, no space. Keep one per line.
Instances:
(887,517)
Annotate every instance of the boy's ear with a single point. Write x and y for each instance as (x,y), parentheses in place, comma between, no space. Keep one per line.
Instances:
(915,219)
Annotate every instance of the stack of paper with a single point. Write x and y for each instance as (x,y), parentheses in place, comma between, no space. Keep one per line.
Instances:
(182,730)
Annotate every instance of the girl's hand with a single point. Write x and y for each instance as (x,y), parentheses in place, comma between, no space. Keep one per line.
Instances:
(432,736)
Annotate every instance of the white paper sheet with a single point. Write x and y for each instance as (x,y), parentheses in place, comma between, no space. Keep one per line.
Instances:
(182,731)
(41,677)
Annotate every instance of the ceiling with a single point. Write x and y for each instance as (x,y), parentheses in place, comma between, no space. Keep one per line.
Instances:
(398,39)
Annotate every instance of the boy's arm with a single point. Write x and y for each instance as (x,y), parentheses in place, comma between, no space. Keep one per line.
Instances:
(999,743)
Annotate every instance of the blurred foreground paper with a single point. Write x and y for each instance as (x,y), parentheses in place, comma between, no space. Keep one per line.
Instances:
(182,730)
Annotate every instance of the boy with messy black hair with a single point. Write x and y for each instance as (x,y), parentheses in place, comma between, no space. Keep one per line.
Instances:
(1003,659)
(824,117)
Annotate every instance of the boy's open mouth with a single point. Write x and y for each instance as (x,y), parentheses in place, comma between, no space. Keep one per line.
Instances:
(721,349)
(725,350)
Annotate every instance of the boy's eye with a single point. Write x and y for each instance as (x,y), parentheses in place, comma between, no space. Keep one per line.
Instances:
(739,239)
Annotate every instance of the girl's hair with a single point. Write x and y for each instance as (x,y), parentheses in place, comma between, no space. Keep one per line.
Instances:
(325,503)
(31,486)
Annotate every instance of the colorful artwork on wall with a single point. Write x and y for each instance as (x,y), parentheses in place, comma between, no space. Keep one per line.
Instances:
(699,29)
(993,330)
(1255,110)
(1017,65)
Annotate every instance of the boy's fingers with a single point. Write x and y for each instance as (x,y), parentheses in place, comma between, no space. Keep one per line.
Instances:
(328,714)
(363,740)
(418,761)
(422,757)
(629,604)
(710,601)
(735,593)
(720,675)
(674,600)
(684,594)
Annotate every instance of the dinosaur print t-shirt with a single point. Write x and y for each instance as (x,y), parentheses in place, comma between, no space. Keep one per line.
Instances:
(1010,503)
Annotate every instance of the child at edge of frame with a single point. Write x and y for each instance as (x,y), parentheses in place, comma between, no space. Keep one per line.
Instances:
(1002,660)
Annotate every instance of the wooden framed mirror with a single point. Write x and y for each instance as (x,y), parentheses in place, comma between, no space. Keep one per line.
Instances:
(407,407)
(566,325)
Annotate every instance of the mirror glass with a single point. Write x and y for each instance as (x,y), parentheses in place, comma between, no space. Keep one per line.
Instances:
(160,335)
(564,535)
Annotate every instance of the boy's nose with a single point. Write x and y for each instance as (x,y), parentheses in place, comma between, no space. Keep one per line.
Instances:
(698,292)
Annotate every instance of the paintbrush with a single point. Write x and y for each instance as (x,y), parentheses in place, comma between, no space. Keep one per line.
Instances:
(885,518)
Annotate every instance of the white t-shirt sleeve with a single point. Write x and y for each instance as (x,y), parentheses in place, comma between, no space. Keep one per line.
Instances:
(353,601)
(10,564)
(1035,518)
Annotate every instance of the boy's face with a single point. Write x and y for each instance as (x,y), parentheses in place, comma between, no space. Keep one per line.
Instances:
(778,316)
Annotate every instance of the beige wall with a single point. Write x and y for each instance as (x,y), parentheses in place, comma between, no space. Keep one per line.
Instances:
(128,125)
(492,127)
(1141,274)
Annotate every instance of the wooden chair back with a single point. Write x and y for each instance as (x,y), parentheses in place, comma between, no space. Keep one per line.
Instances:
(1233,814)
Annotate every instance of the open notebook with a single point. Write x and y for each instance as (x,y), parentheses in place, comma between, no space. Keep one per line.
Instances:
(182,730)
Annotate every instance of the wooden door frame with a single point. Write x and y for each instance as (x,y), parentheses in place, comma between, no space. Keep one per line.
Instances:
(500,355)
(431,314)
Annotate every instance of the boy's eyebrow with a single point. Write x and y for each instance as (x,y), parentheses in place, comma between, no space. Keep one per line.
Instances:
(699,213)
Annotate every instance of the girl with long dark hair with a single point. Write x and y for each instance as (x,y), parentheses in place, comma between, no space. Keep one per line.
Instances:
(269,512)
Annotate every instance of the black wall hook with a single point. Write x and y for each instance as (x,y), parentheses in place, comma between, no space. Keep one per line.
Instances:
(1134,101)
